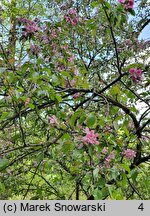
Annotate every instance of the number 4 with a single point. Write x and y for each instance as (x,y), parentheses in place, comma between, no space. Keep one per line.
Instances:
(141,207)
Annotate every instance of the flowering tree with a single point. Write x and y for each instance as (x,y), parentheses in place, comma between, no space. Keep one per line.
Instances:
(74,106)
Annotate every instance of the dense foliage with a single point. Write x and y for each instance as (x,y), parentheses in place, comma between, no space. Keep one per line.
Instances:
(74,99)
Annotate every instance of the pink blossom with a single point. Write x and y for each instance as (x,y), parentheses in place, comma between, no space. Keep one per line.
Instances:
(108,128)
(54,48)
(34,49)
(27,102)
(72,17)
(36,20)
(22,20)
(145,138)
(61,67)
(67,18)
(139,72)
(132,70)
(52,119)
(75,20)
(72,11)
(128,42)
(59,29)
(136,74)
(35,163)
(69,83)
(76,72)
(109,158)
(73,82)
(91,137)
(54,34)
(129,153)
(45,39)
(63,7)
(76,95)
(64,47)
(128,4)
(105,150)
(71,59)
(31,28)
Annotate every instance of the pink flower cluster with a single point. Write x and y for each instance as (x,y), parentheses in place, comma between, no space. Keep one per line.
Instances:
(132,44)
(105,150)
(72,17)
(30,27)
(70,83)
(52,119)
(45,39)
(27,102)
(34,49)
(71,59)
(109,158)
(136,74)
(128,4)
(129,153)
(54,34)
(76,95)
(91,137)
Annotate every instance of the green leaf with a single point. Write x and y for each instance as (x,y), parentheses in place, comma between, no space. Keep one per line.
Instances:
(110,189)
(66,136)
(98,195)
(3,164)
(126,167)
(132,12)
(59,98)
(115,90)
(134,174)
(94,4)
(96,172)
(15,137)
(126,131)
(120,8)
(55,80)
(20,89)
(91,120)
(40,157)
(2,187)
(124,179)
(2,69)
(116,126)
(65,73)
(118,194)
(114,173)
(31,105)
(74,117)
(67,146)
(4,115)
(107,5)
(82,119)
(102,182)
(61,114)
